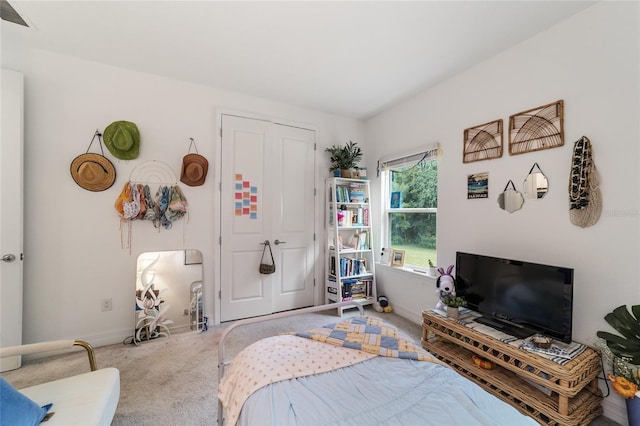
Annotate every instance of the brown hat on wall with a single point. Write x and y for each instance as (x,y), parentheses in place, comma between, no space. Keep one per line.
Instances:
(194,169)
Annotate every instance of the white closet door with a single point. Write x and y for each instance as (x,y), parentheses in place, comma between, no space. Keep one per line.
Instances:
(267,194)
(293,217)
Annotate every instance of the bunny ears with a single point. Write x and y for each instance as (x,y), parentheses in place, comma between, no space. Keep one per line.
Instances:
(449,270)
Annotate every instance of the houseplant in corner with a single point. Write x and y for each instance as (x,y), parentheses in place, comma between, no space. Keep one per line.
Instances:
(453,304)
(344,158)
(622,352)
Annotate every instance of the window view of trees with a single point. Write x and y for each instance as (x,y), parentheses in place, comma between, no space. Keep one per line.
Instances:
(415,231)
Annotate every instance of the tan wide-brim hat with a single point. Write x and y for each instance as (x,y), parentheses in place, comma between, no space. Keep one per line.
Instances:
(194,169)
(93,172)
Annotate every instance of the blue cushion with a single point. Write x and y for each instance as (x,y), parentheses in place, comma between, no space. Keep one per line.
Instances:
(18,410)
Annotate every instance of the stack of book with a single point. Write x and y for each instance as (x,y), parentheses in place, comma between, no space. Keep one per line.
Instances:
(358,194)
(351,289)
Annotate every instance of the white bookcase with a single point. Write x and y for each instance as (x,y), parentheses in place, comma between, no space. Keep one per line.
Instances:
(350,267)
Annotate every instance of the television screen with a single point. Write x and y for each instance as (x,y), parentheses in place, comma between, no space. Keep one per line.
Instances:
(520,298)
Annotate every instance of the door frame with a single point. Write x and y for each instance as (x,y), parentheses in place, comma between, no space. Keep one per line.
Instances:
(214,298)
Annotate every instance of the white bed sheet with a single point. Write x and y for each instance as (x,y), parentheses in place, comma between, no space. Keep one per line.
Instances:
(380,391)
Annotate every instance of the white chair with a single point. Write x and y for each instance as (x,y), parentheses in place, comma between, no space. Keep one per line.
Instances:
(85,399)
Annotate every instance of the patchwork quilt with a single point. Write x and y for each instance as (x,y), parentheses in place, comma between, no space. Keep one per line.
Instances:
(371,335)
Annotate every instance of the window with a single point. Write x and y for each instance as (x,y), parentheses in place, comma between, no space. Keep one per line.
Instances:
(410,187)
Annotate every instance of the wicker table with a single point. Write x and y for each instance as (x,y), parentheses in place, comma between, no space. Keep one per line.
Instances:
(551,393)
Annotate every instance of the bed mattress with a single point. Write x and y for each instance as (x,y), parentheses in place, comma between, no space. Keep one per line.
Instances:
(379,391)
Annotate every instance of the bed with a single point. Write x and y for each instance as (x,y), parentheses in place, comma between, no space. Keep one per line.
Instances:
(358,370)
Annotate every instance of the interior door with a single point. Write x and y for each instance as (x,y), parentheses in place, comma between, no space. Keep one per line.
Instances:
(11,153)
(267,195)
(293,217)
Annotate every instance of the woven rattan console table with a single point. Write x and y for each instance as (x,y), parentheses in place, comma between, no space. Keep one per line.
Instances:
(575,396)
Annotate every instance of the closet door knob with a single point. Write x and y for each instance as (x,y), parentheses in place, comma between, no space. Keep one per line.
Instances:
(276,242)
(8,258)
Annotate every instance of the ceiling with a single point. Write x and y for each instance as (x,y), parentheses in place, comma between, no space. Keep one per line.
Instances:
(350,58)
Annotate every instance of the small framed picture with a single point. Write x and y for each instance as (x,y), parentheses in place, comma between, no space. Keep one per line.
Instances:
(396,199)
(397,258)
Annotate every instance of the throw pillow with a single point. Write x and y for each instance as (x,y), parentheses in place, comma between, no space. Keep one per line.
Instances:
(18,410)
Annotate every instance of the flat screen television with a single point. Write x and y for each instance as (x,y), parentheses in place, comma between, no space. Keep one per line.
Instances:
(519,298)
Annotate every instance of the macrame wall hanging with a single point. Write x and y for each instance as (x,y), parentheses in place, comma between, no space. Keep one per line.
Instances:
(585,200)
(483,142)
(151,194)
(537,129)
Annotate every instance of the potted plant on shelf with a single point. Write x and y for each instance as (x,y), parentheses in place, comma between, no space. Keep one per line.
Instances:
(453,304)
(622,353)
(344,158)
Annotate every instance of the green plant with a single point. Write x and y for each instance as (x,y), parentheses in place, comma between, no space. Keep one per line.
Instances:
(344,157)
(454,301)
(623,352)
(352,155)
(627,324)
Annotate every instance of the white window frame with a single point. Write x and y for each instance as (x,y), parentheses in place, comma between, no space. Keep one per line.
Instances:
(384,171)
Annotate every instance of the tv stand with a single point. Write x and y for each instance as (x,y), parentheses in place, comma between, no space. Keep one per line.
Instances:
(551,393)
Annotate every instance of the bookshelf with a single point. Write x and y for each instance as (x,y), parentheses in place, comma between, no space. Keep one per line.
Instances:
(350,267)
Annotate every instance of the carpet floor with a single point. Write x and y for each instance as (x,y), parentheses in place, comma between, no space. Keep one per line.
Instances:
(173,381)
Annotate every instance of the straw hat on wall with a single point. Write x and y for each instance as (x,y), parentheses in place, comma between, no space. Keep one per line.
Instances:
(93,172)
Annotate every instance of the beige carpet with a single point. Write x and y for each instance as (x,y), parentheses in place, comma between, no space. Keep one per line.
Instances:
(173,381)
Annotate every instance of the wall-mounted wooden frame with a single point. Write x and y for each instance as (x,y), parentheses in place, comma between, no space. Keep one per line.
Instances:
(536,129)
(483,142)
(397,258)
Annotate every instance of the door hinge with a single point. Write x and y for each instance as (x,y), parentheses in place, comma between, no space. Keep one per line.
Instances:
(315,192)
(220,241)
(314,236)
(220,294)
(315,146)
(220,131)
(314,282)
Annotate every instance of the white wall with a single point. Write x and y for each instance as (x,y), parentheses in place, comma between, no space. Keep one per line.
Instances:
(592,62)
(73,252)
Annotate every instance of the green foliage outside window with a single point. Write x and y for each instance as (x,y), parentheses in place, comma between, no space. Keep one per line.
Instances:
(415,231)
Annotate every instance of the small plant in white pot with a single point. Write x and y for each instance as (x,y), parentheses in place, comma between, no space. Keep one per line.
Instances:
(432,269)
(453,304)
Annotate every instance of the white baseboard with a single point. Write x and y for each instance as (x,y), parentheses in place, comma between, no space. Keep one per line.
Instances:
(110,338)
(408,314)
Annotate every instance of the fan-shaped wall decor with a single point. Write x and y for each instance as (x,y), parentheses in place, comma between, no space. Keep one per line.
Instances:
(483,142)
(536,129)
(153,171)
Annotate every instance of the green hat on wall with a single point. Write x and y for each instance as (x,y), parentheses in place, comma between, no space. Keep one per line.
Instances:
(122,139)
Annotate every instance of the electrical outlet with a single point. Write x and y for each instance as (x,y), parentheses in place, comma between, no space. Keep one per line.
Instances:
(106,305)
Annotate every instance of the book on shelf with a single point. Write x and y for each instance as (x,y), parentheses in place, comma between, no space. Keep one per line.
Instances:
(350,266)
(342,194)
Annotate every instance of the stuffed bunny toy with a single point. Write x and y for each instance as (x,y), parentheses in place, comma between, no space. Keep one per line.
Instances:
(445,286)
